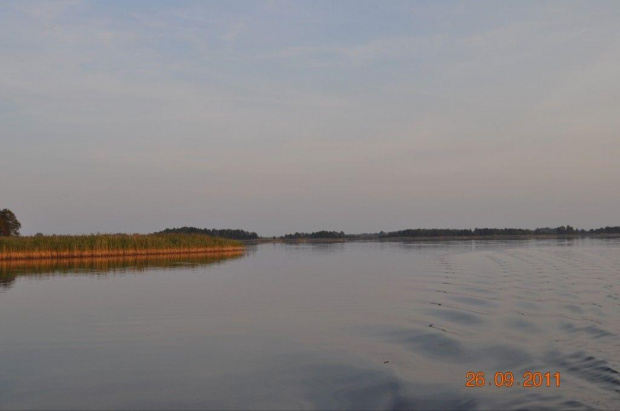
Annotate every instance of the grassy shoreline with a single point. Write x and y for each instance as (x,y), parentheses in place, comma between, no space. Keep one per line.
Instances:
(112,245)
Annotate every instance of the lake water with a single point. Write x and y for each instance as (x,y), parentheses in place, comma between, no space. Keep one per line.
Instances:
(390,325)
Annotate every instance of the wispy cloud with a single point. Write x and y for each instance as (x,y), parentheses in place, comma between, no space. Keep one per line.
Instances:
(234,30)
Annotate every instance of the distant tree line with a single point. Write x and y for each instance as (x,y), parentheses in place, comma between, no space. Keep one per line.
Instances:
(317,234)
(447,232)
(606,230)
(477,232)
(235,234)
(10,226)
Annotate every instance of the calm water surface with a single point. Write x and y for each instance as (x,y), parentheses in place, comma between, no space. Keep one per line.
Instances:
(330,326)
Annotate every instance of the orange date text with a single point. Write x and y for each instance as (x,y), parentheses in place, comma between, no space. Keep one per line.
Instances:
(507,379)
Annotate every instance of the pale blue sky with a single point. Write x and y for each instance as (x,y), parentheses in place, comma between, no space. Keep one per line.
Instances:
(299,116)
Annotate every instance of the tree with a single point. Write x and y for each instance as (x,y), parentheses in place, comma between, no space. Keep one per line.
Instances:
(9,224)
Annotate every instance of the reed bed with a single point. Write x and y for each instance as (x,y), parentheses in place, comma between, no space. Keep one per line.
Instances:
(112,245)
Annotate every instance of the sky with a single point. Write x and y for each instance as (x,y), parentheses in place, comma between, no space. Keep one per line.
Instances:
(279,117)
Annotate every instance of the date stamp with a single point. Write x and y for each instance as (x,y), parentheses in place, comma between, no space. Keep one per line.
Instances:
(531,379)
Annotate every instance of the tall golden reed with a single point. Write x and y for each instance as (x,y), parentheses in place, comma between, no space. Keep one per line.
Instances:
(110,245)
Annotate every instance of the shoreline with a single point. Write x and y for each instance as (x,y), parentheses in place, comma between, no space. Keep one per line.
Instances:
(76,254)
(439,238)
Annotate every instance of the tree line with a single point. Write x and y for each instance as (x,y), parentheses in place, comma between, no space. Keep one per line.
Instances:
(10,226)
(235,234)
(480,232)
(449,232)
(606,230)
(316,234)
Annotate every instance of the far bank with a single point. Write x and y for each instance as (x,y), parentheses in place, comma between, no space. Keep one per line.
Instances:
(426,239)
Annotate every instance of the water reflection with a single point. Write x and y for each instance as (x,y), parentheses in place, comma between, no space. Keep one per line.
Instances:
(358,325)
(43,268)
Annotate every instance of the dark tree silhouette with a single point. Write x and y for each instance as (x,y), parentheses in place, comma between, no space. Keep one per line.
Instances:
(317,234)
(606,230)
(9,224)
(235,234)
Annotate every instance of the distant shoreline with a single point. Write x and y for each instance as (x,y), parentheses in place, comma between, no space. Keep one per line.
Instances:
(438,238)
